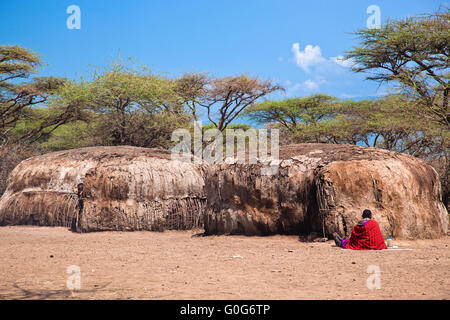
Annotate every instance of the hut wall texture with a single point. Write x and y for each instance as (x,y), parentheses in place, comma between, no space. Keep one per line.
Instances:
(325,188)
(42,192)
(143,194)
(243,201)
(404,194)
(317,188)
(105,188)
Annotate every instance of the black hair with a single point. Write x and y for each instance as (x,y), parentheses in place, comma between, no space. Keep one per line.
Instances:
(367,214)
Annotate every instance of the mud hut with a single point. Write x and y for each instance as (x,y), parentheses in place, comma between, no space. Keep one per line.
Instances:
(324,188)
(319,188)
(105,188)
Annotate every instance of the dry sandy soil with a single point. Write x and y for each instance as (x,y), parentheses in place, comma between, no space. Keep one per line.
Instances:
(180,265)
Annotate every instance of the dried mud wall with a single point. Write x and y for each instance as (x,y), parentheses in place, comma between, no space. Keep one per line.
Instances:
(324,188)
(105,188)
(403,193)
(241,200)
(319,188)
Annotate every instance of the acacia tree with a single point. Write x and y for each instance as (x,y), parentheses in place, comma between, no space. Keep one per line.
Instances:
(190,88)
(290,113)
(300,119)
(18,98)
(21,122)
(128,106)
(387,122)
(223,99)
(414,54)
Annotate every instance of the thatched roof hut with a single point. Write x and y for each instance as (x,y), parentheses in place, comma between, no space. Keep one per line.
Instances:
(324,188)
(105,188)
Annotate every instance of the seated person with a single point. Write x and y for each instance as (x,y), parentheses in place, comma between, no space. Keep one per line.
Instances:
(366,235)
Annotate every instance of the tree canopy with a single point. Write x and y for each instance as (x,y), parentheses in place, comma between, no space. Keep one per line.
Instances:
(413,53)
(19,92)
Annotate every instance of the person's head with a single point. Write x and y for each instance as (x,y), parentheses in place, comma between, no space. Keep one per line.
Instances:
(367,214)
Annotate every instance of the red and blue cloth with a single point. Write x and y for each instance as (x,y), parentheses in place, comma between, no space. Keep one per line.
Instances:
(366,235)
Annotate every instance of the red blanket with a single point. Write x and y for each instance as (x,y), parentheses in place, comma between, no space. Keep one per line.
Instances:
(365,236)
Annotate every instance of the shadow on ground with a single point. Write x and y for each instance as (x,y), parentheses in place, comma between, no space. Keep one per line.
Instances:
(27,294)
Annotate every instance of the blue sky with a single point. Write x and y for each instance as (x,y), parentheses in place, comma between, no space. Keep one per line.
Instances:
(290,42)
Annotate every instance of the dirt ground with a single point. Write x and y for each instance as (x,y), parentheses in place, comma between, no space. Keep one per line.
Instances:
(180,265)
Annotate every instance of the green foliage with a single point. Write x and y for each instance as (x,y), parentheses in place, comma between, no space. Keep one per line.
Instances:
(412,53)
(126,105)
(294,116)
(16,62)
(72,135)
(20,120)
(384,122)
(223,99)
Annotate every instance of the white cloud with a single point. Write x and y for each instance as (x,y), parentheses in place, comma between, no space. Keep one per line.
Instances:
(347,96)
(342,62)
(311,85)
(324,74)
(291,90)
(305,87)
(310,56)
